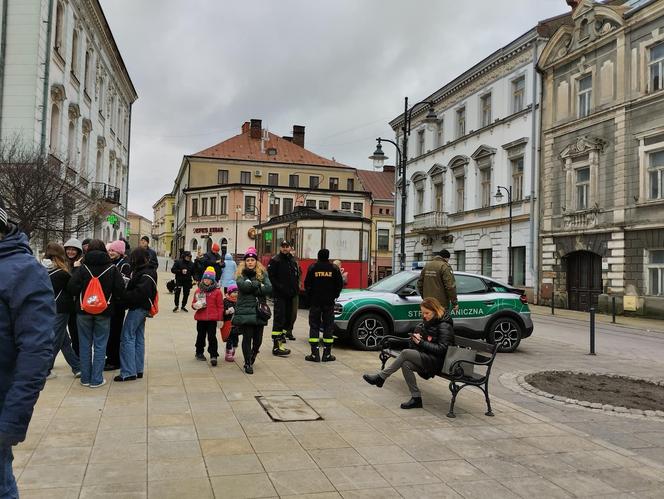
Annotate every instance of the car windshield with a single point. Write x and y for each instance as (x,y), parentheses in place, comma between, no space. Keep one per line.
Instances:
(393,283)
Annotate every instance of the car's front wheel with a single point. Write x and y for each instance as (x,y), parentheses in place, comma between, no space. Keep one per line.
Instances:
(368,331)
(506,333)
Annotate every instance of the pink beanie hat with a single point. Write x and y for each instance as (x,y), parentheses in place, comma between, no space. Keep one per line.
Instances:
(117,246)
(251,252)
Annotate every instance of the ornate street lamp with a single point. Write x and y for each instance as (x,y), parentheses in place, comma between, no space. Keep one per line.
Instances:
(499,198)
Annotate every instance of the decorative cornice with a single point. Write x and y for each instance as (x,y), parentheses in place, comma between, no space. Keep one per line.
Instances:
(583,145)
(74,111)
(483,151)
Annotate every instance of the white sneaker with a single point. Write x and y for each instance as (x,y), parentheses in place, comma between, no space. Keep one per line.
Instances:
(103,382)
(77,374)
(85,384)
(51,375)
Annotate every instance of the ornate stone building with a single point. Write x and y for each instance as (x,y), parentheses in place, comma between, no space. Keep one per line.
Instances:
(64,88)
(602,187)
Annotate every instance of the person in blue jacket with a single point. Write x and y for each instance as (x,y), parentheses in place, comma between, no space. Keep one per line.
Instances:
(27,316)
(228,272)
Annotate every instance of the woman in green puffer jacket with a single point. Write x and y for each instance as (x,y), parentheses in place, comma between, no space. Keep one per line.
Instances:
(253,285)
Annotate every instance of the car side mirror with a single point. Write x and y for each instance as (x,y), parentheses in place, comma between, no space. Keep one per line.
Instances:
(407,292)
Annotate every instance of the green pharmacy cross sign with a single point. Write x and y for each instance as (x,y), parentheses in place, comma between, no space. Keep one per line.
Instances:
(112,219)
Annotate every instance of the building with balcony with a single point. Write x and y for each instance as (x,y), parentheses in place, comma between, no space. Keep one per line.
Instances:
(223,192)
(486,136)
(138,226)
(602,187)
(163,226)
(381,185)
(65,91)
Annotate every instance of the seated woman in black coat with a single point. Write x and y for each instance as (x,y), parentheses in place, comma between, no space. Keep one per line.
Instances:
(425,354)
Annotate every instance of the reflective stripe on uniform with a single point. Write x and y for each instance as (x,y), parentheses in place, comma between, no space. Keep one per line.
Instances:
(314,340)
(328,340)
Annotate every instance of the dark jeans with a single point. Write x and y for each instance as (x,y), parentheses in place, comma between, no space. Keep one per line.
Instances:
(293,316)
(62,343)
(233,338)
(115,337)
(283,312)
(8,488)
(252,337)
(185,295)
(321,315)
(93,331)
(72,327)
(209,329)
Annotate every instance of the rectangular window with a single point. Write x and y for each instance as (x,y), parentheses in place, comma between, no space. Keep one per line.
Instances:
(334,184)
(294,181)
(656,174)
(273,179)
(222,177)
(250,205)
(460,257)
(519,265)
(345,205)
(311,203)
(656,67)
(213,206)
(288,205)
(517,179)
(419,201)
(440,138)
(438,194)
(323,205)
(420,142)
(245,178)
(485,105)
(460,192)
(223,205)
(383,242)
(275,204)
(314,180)
(350,184)
(358,208)
(655,268)
(461,122)
(582,188)
(518,94)
(486,257)
(204,207)
(486,187)
(194,207)
(585,95)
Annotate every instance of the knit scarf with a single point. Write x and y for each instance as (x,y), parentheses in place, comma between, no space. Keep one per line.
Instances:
(205,288)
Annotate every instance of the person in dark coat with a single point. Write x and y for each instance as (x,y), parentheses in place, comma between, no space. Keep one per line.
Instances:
(145,244)
(425,354)
(27,314)
(116,250)
(322,286)
(184,271)
(94,330)
(253,285)
(139,297)
(74,252)
(214,259)
(284,275)
(55,263)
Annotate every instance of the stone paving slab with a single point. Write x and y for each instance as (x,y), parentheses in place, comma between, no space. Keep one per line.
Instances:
(190,430)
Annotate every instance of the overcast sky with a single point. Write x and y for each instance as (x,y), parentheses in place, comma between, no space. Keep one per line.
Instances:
(341,68)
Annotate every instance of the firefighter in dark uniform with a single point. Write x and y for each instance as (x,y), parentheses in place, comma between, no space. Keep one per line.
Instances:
(283,272)
(322,285)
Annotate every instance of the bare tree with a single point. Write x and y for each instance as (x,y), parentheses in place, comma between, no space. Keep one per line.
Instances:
(46,197)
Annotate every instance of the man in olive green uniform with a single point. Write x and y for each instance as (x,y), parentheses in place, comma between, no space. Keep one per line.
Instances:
(437,281)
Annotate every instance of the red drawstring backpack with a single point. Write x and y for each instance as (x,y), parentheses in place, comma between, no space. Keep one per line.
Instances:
(93,301)
(154,305)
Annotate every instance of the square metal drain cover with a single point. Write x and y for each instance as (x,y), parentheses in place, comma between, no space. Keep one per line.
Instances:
(288,408)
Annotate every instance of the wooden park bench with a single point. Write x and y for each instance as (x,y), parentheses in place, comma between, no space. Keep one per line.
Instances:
(460,373)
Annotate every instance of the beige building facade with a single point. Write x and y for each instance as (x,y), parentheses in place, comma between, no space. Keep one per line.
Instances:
(139,226)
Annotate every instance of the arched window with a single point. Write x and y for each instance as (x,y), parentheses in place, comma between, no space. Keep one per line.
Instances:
(74,52)
(84,156)
(71,145)
(194,244)
(55,128)
(59,27)
(88,72)
(100,165)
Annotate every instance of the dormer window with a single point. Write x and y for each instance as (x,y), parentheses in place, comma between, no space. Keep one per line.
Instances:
(583,30)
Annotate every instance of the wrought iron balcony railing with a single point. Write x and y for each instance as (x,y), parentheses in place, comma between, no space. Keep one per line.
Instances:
(105,192)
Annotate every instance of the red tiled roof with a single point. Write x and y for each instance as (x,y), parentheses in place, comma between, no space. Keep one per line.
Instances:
(243,147)
(380,184)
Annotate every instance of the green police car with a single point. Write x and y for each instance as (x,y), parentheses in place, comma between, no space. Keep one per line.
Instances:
(488,310)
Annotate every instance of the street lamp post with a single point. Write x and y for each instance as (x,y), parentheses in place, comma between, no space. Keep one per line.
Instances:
(238,209)
(499,197)
(379,157)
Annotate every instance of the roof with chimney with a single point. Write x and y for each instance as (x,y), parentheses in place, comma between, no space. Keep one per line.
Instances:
(258,144)
(380,184)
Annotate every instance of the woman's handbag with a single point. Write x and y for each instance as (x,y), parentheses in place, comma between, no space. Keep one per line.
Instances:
(263,309)
(458,353)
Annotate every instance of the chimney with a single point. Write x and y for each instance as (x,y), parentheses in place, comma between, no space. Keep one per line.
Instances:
(573,3)
(245,127)
(256,127)
(298,135)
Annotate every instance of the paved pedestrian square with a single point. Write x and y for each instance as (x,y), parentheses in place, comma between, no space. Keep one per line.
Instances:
(189,430)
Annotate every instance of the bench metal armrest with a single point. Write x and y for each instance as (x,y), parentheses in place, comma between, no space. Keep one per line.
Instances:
(395,338)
